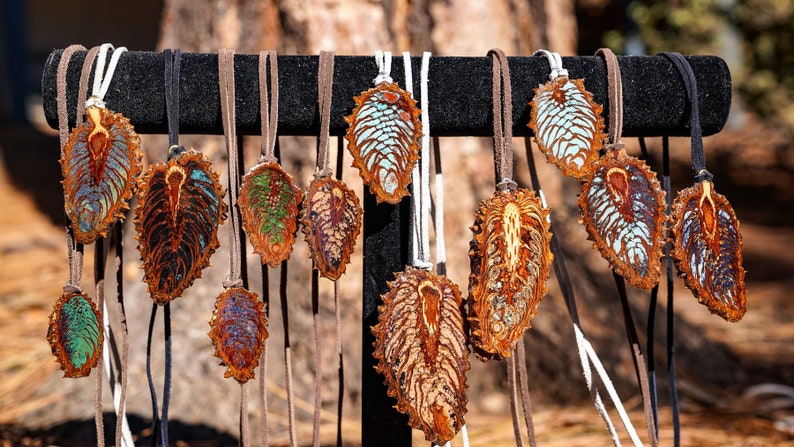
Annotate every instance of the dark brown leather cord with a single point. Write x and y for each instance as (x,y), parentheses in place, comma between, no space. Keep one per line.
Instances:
(512,387)
(287,355)
(85,74)
(523,384)
(615,92)
(671,376)
(696,133)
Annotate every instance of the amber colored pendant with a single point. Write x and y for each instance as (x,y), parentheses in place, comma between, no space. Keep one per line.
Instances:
(707,249)
(510,263)
(75,334)
(331,218)
(269,203)
(238,332)
(99,163)
(623,209)
(180,206)
(568,125)
(420,345)
(383,136)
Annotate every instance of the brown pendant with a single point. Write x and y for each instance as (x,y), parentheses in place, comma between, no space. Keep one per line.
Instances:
(180,206)
(269,203)
(383,137)
(510,263)
(331,219)
(238,332)
(99,163)
(707,249)
(623,209)
(420,345)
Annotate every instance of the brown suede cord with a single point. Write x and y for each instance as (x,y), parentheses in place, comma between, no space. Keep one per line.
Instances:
(282,291)
(99,287)
(325,81)
(74,251)
(268,109)
(82,92)
(512,386)
(523,381)
(502,120)
(226,79)
(125,339)
(263,431)
(318,364)
(615,92)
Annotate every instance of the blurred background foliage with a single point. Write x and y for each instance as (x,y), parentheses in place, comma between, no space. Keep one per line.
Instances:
(756,37)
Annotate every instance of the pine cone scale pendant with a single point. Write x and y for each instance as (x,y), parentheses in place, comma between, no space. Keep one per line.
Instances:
(510,263)
(421,351)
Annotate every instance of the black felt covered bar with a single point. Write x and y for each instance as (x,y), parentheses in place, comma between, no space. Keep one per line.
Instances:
(460,92)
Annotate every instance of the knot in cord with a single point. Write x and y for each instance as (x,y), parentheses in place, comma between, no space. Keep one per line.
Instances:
(175,150)
(270,158)
(614,147)
(228,284)
(95,101)
(704,174)
(383,61)
(507,184)
(422,264)
(555,63)
(323,173)
(69,287)
(102,78)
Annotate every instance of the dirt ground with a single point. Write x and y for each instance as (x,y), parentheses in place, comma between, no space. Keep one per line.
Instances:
(38,408)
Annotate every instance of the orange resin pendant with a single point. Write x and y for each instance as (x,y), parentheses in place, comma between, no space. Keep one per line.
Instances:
(76,334)
(238,332)
(707,249)
(510,263)
(269,203)
(623,209)
(331,219)
(568,125)
(420,345)
(180,206)
(383,137)
(99,163)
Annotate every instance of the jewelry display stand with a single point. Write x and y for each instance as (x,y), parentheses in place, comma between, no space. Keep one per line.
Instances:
(654,97)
